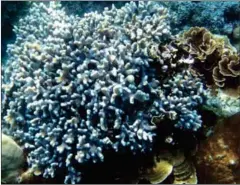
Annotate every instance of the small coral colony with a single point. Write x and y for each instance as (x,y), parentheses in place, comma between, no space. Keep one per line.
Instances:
(75,88)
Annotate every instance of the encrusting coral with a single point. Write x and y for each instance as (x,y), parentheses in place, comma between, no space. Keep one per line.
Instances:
(223,104)
(75,87)
(214,58)
(12,160)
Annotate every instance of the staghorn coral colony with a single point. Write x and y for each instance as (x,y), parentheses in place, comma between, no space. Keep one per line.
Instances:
(75,87)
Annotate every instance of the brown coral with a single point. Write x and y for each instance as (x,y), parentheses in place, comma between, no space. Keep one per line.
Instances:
(214,58)
(168,58)
(168,163)
(184,171)
(159,172)
(218,158)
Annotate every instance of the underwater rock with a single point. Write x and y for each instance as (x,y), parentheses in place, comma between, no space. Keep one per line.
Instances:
(218,157)
(12,160)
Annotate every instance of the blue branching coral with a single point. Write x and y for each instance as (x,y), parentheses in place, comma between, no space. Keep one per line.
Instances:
(218,17)
(74,87)
(179,97)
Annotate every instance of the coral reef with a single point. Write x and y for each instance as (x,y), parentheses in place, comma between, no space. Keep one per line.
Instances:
(182,92)
(168,163)
(12,160)
(236,37)
(159,172)
(222,104)
(222,20)
(214,58)
(81,7)
(179,99)
(218,157)
(75,87)
(11,12)
(218,17)
(169,58)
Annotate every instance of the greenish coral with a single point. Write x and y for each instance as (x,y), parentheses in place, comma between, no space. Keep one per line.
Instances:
(223,105)
(12,160)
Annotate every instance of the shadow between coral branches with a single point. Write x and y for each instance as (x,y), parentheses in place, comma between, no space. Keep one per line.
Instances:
(123,167)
